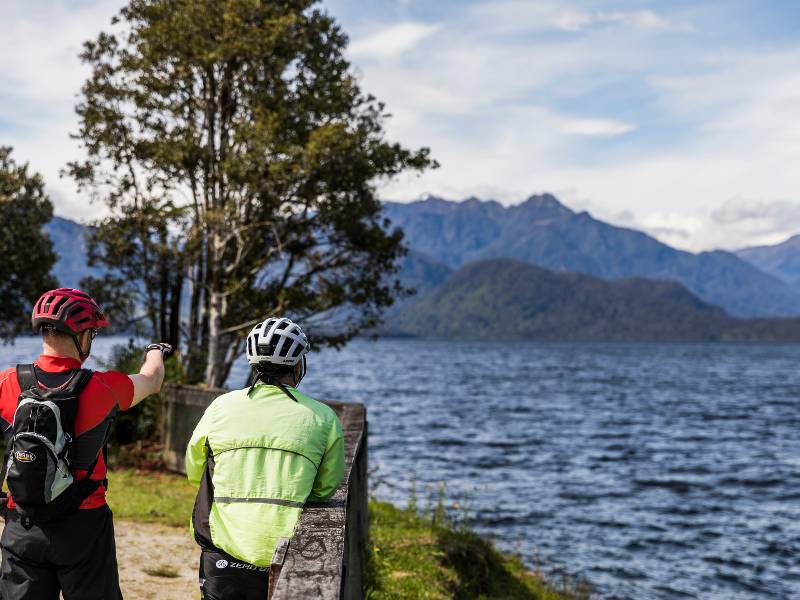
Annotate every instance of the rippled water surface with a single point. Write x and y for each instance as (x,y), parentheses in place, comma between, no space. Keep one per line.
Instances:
(656,471)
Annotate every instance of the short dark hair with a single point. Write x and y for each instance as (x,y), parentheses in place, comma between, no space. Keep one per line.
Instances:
(52,332)
(271,370)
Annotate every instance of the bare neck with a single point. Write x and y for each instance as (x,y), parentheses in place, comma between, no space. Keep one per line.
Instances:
(62,348)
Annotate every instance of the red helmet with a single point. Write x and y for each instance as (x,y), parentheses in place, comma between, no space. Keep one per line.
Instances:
(67,310)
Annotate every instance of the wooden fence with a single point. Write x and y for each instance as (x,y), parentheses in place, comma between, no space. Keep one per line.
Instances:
(325,557)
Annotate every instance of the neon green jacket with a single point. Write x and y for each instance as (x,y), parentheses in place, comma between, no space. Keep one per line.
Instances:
(257,460)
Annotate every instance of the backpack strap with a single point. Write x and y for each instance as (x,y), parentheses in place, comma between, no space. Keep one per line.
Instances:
(76,387)
(105,459)
(104,452)
(79,381)
(26,375)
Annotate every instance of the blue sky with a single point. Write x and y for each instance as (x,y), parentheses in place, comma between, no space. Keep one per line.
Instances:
(680,118)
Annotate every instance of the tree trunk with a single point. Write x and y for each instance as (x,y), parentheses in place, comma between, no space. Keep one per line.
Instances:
(217,350)
(176,295)
(195,346)
(234,350)
(163,304)
(217,306)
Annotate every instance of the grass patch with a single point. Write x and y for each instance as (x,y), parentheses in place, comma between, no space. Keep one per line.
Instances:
(411,556)
(163,571)
(151,497)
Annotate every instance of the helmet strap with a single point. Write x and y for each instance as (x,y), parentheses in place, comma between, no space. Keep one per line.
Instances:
(270,380)
(81,353)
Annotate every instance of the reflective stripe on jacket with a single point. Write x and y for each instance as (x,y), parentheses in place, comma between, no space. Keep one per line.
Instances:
(257,460)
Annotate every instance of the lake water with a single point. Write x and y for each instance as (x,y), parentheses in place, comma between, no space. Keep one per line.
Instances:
(656,471)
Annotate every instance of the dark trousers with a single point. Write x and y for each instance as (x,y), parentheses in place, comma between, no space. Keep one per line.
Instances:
(76,555)
(223,577)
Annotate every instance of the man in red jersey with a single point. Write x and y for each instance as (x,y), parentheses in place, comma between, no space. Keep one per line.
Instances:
(72,553)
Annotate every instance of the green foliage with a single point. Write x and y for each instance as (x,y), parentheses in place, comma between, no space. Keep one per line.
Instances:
(27,252)
(410,556)
(239,158)
(143,421)
(412,496)
(437,509)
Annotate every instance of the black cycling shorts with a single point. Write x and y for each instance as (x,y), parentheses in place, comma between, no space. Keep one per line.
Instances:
(75,555)
(223,577)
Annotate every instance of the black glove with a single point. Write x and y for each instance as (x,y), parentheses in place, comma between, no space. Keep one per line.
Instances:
(165,349)
(3,505)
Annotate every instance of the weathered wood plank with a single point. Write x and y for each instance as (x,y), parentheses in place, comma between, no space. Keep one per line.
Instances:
(325,555)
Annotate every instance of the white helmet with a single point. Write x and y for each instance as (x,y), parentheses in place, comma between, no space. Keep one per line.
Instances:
(276,341)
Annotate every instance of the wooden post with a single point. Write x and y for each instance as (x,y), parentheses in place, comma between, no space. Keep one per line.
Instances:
(325,556)
(277,565)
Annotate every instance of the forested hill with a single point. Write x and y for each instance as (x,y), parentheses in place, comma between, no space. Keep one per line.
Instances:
(505,298)
(542,231)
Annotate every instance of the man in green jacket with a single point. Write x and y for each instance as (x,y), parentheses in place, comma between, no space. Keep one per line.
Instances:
(258,456)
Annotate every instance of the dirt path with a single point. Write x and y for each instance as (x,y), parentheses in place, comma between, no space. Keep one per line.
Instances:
(147,552)
(156,562)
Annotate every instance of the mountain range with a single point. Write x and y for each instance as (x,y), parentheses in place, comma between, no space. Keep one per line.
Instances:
(539,269)
(781,260)
(541,231)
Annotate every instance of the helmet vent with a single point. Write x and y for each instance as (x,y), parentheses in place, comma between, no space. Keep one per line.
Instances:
(59,303)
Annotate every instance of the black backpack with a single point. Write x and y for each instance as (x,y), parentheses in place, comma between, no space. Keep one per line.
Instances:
(38,472)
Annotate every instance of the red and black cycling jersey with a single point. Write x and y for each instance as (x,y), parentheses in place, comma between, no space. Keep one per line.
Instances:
(103,397)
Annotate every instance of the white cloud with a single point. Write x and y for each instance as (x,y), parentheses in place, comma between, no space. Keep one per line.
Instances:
(735,115)
(641,19)
(40,76)
(511,108)
(571,20)
(392,40)
(768,214)
(759,221)
(596,127)
(534,15)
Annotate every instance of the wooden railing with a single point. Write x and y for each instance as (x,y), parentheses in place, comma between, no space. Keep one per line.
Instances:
(325,557)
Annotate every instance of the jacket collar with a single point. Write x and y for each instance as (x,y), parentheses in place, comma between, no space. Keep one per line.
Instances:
(56,364)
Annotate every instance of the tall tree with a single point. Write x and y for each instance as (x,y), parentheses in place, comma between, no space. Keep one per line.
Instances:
(27,252)
(239,159)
